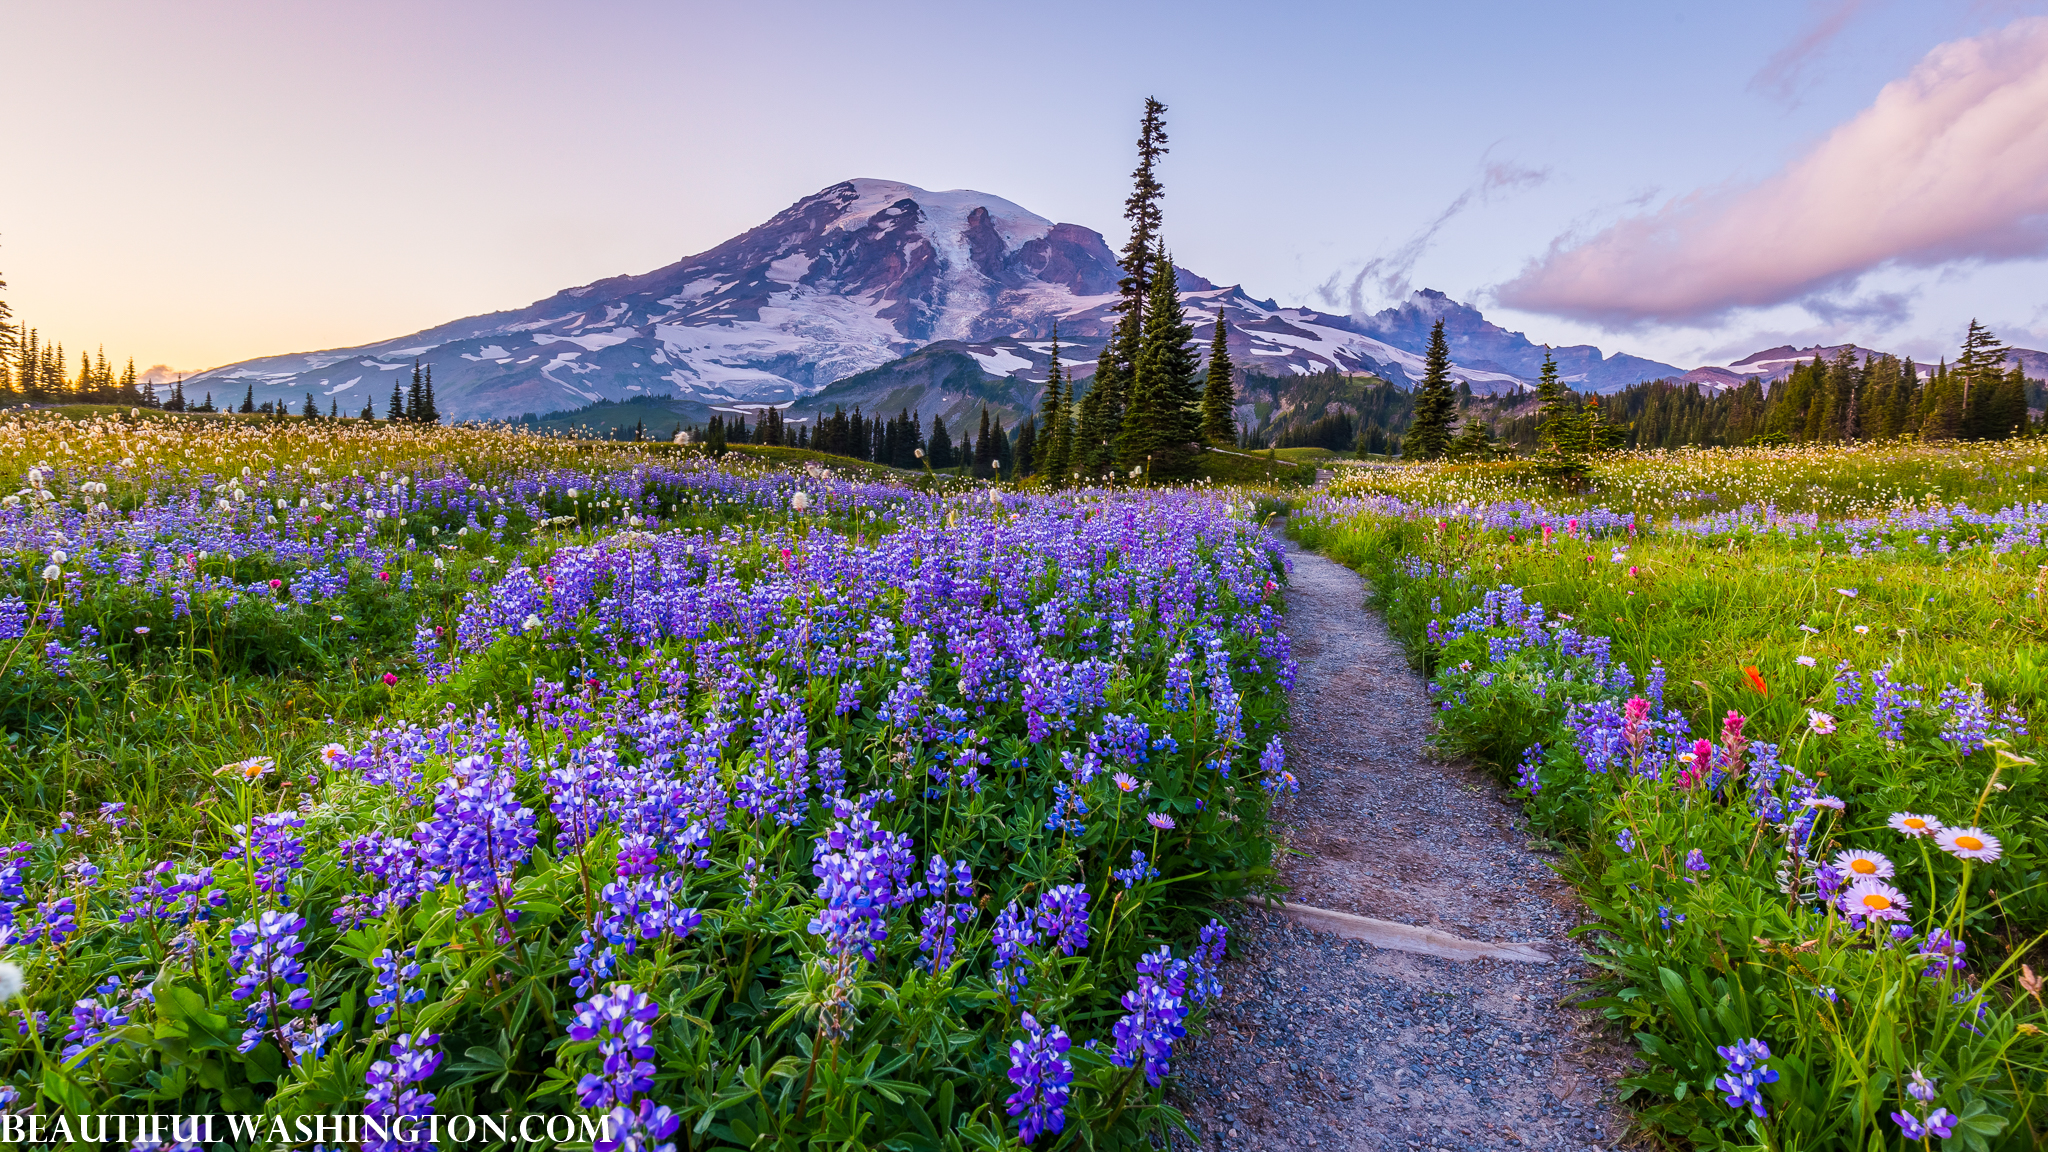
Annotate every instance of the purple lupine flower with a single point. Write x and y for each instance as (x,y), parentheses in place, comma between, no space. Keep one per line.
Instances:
(1940,1124)
(392,1093)
(1696,861)
(395,975)
(479,835)
(1889,703)
(1206,961)
(1944,954)
(1139,871)
(864,872)
(1063,918)
(1274,759)
(1848,686)
(1041,1071)
(646,908)
(1625,840)
(1921,1088)
(1967,719)
(622,1023)
(1747,1073)
(1150,1024)
(940,920)
(641,1128)
(1013,934)
(90,1021)
(1529,774)
(589,964)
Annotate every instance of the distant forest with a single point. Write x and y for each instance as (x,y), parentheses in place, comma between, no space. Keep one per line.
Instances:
(1847,398)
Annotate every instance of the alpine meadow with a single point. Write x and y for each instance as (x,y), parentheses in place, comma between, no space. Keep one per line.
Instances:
(916,675)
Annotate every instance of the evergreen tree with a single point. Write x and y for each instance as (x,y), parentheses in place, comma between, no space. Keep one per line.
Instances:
(1026,448)
(1977,373)
(249,399)
(1219,390)
(1000,453)
(1141,208)
(2008,411)
(1554,410)
(1430,435)
(10,339)
(939,450)
(1051,456)
(1159,417)
(395,410)
(1475,441)
(984,449)
(416,396)
(428,414)
(312,409)
(1102,416)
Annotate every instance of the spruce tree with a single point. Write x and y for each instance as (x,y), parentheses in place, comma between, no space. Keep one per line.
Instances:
(416,396)
(10,339)
(1429,436)
(1051,455)
(939,448)
(1027,448)
(1553,405)
(1159,417)
(249,399)
(1219,390)
(1102,416)
(395,410)
(430,414)
(984,448)
(1978,372)
(1141,208)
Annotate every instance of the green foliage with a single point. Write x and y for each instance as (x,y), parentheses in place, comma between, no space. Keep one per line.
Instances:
(1429,436)
(1219,390)
(1695,960)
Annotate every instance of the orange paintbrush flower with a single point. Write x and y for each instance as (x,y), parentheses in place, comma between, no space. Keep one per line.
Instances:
(1756,679)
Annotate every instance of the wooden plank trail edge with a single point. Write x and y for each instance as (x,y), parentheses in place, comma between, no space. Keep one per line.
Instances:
(1408,937)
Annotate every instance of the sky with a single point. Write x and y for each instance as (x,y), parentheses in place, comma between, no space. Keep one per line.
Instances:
(216,181)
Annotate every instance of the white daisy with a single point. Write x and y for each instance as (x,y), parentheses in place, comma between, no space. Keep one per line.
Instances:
(1875,899)
(1968,843)
(1857,864)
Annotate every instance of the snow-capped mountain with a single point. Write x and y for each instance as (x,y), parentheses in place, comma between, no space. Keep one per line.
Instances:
(1774,364)
(1481,345)
(841,282)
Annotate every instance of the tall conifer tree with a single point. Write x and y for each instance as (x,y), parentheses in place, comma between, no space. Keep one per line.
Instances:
(1430,435)
(416,396)
(1053,445)
(1219,390)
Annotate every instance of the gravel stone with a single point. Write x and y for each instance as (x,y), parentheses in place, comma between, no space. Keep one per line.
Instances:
(1322,1042)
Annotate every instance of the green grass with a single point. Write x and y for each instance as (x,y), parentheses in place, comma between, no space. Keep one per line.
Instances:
(1867,586)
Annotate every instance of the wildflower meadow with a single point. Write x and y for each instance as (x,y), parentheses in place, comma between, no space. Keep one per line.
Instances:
(397,772)
(1775,711)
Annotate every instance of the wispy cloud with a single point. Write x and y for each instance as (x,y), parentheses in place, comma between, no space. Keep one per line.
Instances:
(1781,74)
(1389,274)
(1948,165)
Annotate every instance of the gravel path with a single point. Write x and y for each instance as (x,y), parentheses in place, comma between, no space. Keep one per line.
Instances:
(1321,1042)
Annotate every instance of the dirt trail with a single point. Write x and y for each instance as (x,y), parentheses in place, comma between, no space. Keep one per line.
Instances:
(1328,1043)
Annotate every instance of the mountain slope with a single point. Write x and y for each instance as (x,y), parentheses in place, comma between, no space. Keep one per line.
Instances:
(1480,344)
(840,283)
